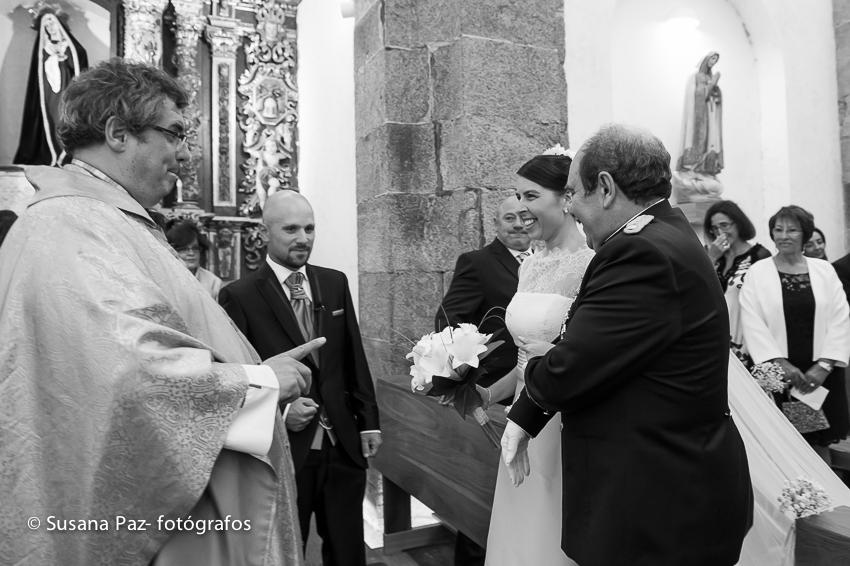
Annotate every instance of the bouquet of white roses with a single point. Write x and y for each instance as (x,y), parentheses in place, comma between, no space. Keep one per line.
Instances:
(803,497)
(446,364)
(770,377)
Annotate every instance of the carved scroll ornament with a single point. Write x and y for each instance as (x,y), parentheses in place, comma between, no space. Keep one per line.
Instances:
(269,109)
(143,30)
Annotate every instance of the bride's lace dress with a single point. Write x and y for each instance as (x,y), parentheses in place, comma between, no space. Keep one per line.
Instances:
(525,525)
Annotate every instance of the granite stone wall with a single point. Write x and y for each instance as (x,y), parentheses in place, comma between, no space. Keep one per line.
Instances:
(841,21)
(452,96)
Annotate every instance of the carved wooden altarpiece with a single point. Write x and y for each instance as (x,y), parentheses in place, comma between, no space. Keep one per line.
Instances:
(238,62)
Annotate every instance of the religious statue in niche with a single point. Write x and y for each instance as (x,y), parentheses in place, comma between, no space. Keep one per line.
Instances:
(223,8)
(224,253)
(57,58)
(702,148)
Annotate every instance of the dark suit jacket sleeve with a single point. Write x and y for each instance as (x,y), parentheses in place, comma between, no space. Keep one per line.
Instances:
(227,299)
(464,297)
(628,314)
(842,268)
(360,385)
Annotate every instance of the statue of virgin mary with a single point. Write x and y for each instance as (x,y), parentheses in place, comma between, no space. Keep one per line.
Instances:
(703,140)
(57,58)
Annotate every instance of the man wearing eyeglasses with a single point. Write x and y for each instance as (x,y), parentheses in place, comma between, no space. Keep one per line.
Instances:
(137,424)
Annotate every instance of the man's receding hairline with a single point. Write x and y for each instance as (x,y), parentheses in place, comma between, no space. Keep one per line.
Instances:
(277,202)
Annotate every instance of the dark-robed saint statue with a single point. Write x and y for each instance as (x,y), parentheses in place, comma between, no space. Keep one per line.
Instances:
(703,141)
(56,59)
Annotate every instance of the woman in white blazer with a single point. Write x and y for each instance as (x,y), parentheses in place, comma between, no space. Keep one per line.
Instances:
(794,312)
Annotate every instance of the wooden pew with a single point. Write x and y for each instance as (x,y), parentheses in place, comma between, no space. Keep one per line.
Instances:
(448,464)
(442,460)
(824,539)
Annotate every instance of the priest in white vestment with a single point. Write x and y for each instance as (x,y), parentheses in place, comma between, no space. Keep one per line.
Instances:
(137,425)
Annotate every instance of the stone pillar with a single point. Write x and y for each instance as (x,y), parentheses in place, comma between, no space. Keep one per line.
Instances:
(452,96)
(190,24)
(225,38)
(143,30)
(841,21)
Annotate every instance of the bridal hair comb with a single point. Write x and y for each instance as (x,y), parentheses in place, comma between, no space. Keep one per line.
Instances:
(558,149)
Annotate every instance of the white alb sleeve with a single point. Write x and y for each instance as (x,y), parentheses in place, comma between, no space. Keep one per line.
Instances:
(252,429)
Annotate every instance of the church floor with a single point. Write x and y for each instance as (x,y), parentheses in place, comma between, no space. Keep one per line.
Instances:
(436,555)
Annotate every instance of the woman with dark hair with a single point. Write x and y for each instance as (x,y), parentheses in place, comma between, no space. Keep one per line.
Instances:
(728,231)
(189,243)
(816,245)
(794,313)
(525,526)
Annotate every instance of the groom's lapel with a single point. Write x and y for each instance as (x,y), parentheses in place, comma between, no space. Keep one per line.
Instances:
(270,289)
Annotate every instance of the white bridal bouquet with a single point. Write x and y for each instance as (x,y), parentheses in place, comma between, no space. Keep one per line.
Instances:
(803,497)
(446,365)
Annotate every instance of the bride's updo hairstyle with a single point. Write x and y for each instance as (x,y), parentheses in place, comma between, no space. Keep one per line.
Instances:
(550,171)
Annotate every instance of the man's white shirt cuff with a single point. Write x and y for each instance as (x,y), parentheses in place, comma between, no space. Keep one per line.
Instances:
(253,427)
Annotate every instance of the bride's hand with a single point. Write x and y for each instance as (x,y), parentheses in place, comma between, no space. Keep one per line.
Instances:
(515,452)
(534,348)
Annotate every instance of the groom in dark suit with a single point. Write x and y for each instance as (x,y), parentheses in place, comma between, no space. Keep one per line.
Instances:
(334,429)
(655,472)
(484,281)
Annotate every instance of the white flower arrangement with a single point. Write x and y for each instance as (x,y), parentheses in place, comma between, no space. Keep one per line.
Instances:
(446,365)
(558,149)
(770,377)
(803,497)
(440,353)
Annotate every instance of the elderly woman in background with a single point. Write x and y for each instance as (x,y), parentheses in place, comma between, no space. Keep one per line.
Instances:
(816,246)
(188,241)
(728,231)
(794,313)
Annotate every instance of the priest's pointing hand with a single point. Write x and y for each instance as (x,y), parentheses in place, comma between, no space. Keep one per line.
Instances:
(293,376)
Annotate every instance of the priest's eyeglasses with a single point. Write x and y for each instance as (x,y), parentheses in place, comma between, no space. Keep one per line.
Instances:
(173,135)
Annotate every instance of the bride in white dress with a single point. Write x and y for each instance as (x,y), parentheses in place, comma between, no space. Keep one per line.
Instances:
(525,525)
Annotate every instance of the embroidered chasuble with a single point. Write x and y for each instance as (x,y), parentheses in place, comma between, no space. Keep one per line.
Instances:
(119,379)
